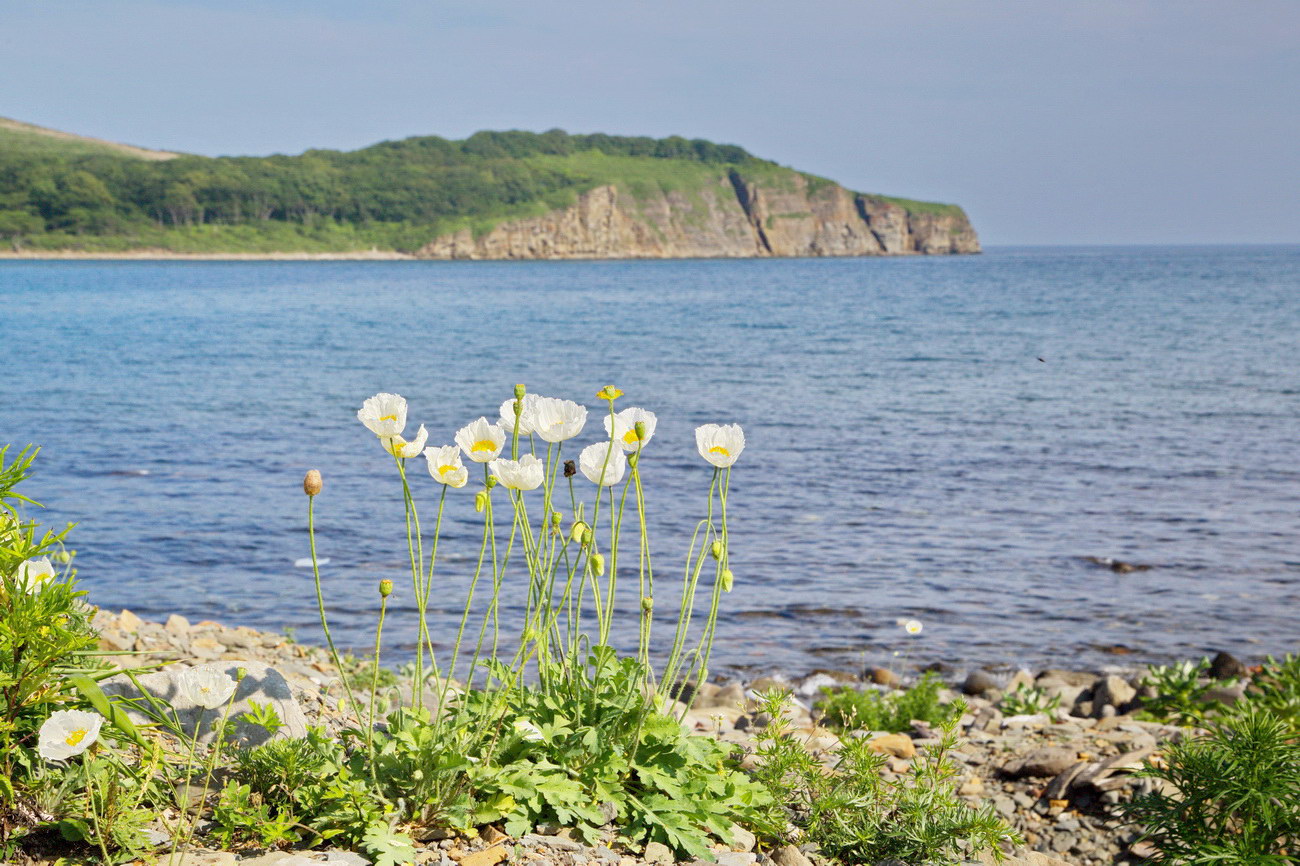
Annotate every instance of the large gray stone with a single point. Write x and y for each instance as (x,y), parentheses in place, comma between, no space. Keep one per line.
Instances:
(263,685)
(1111,691)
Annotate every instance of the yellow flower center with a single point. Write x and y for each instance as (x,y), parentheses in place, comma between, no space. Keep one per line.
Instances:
(483,445)
(443,470)
(387,417)
(718,449)
(630,437)
(76,737)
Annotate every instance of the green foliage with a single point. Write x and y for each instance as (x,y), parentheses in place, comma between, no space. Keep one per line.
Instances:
(1235,797)
(855,815)
(395,195)
(1275,690)
(45,631)
(522,757)
(1029,701)
(1180,692)
(847,709)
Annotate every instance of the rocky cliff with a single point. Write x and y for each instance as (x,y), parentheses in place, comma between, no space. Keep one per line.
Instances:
(737,216)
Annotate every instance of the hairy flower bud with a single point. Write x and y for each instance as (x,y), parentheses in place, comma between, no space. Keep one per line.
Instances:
(480,501)
(597,565)
(311,483)
(570,469)
(727,577)
(385,588)
(647,603)
(520,391)
(639,429)
(579,532)
(633,460)
(491,482)
(556,518)
(717,550)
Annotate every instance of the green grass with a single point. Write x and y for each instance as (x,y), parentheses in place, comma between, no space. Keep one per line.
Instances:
(16,136)
(921,207)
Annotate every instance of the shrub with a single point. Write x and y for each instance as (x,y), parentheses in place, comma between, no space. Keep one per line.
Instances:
(1029,701)
(1235,796)
(855,815)
(847,709)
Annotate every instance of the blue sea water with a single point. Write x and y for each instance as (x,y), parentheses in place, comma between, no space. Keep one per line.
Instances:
(942,439)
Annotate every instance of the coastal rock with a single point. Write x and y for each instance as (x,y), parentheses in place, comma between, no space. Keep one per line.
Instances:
(1042,762)
(1111,691)
(978,682)
(737,216)
(1227,667)
(263,684)
(898,745)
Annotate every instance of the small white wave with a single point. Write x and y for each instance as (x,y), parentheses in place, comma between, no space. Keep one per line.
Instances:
(305,562)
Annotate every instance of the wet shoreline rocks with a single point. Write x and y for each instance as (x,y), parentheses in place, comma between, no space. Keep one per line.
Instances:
(1057,777)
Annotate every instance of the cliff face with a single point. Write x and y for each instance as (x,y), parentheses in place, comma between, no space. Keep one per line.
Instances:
(734,217)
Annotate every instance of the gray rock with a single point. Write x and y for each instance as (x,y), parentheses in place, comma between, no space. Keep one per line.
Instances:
(555,843)
(1226,667)
(978,682)
(737,858)
(205,858)
(282,858)
(742,839)
(657,852)
(345,858)
(263,684)
(1228,694)
(789,855)
(1111,691)
(1043,762)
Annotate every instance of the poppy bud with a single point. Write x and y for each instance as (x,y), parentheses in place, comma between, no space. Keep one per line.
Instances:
(588,536)
(579,532)
(647,603)
(519,392)
(639,429)
(311,483)
(727,577)
(480,501)
(633,460)
(240,673)
(597,565)
(385,588)
(717,550)
(556,517)
(492,481)
(570,469)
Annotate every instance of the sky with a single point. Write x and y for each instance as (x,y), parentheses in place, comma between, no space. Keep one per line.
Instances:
(1050,121)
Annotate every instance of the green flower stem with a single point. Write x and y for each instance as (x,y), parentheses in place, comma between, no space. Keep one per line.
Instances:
(415,550)
(616,532)
(94,813)
(433,560)
(212,759)
(711,627)
(689,582)
(374,684)
(320,603)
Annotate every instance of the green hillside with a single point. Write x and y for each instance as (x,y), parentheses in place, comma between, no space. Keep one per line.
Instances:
(59,191)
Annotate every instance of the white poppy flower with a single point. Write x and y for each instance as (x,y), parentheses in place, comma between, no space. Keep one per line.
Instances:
(67,733)
(556,420)
(522,474)
(624,431)
(912,626)
(720,444)
(445,465)
(384,415)
(593,464)
(399,447)
(32,573)
(482,442)
(525,420)
(206,686)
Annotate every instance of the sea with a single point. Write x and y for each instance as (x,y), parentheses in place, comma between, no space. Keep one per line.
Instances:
(970,442)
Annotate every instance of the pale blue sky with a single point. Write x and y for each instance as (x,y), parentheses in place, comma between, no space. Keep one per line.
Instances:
(1051,121)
